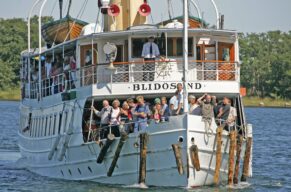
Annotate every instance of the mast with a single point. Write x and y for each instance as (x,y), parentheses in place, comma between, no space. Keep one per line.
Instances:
(61,8)
(185,55)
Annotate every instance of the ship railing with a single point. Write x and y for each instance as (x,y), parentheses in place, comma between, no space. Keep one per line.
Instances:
(168,70)
(54,84)
(159,71)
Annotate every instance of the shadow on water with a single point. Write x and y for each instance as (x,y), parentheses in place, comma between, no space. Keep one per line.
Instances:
(271,158)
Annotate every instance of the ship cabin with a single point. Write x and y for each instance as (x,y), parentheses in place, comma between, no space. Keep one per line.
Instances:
(83,69)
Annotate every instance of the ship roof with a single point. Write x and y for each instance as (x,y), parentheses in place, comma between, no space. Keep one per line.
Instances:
(135,31)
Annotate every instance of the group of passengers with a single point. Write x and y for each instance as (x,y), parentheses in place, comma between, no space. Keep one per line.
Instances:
(57,75)
(134,116)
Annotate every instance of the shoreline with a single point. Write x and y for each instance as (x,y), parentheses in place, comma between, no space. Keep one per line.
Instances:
(13,94)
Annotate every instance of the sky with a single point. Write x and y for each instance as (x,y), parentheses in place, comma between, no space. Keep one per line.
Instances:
(241,15)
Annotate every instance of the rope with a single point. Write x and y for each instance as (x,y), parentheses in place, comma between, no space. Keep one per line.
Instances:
(80,14)
(53,7)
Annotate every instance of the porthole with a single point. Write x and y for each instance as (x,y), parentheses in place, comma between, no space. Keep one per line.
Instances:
(69,170)
(62,172)
(180,139)
(79,171)
(89,168)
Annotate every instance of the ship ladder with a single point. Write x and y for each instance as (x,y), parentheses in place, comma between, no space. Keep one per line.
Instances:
(56,143)
(67,136)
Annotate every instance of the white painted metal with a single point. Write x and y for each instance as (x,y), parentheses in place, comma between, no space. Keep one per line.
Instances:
(217,13)
(185,55)
(79,163)
(197,8)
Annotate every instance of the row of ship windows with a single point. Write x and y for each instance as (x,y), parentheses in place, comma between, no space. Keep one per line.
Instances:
(44,126)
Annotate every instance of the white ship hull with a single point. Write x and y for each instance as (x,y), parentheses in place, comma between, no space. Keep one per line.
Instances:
(79,158)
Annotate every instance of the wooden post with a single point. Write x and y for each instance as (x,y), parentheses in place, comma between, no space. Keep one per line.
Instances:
(143,156)
(237,163)
(218,154)
(178,156)
(122,140)
(195,157)
(231,156)
(247,159)
(109,141)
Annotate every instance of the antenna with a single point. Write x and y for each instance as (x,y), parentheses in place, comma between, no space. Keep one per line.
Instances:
(61,8)
(169,11)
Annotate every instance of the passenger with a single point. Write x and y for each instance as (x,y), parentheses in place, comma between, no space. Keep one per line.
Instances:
(180,99)
(48,67)
(207,107)
(165,109)
(194,108)
(67,66)
(114,118)
(131,105)
(228,114)
(73,67)
(66,82)
(157,110)
(126,117)
(141,112)
(150,52)
(88,58)
(104,117)
(174,103)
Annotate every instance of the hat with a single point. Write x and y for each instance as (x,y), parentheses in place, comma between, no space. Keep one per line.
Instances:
(151,37)
(191,97)
(157,100)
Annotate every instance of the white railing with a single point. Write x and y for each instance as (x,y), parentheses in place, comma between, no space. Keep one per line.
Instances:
(130,72)
(160,71)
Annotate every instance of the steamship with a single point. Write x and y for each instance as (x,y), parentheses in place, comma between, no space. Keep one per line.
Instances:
(102,60)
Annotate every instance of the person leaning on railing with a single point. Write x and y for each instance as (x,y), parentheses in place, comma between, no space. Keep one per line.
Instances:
(207,104)
(227,114)
(104,117)
(141,112)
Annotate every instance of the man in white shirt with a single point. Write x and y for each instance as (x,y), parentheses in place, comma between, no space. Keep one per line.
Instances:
(48,66)
(150,52)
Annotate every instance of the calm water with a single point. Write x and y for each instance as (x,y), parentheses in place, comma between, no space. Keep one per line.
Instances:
(271,158)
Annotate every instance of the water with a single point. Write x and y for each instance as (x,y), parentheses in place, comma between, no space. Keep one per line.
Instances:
(271,157)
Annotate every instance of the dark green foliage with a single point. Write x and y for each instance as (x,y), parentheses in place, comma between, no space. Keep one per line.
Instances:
(13,41)
(266,64)
(265,70)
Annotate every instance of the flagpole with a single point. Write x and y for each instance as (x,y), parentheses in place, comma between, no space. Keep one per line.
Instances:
(185,55)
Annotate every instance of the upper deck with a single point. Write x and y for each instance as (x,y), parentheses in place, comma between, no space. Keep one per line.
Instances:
(213,65)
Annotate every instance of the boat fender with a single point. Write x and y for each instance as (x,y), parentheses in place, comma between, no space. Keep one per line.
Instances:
(122,140)
(109,141)
(231,156)
(143,156)
(195,157)
(178,156)
(218,154)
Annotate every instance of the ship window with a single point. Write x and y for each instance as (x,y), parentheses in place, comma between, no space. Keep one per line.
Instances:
(60,123)
(136,47)
(89,168)
(175,46)
(86,55)
(79,171)
(54,124)
(70,172)
(46,127)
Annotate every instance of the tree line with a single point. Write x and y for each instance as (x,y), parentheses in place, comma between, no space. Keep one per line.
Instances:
(265,66)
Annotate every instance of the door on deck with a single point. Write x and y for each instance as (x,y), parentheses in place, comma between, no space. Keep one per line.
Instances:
(227,67)
(87,63)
